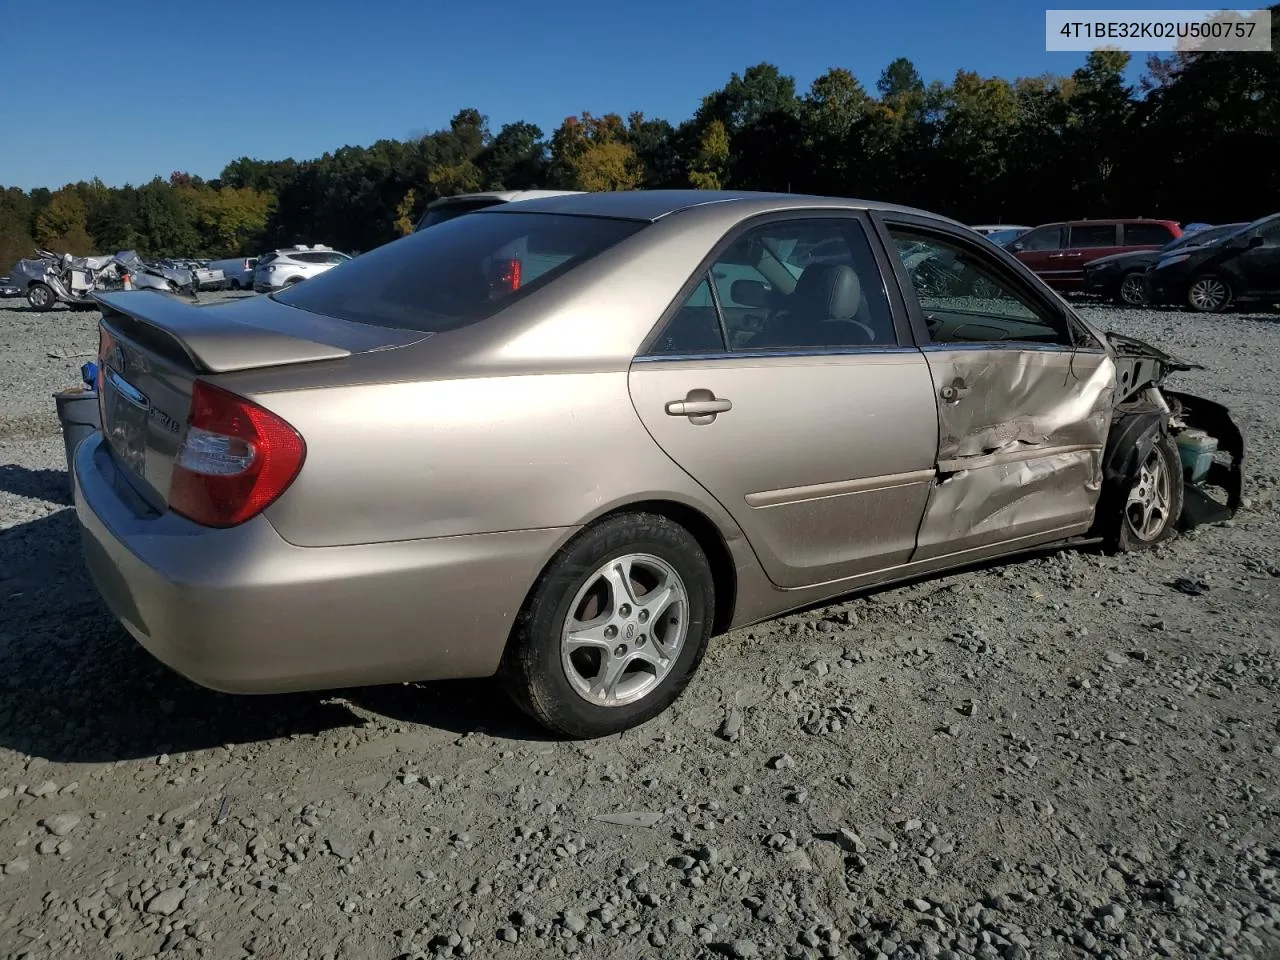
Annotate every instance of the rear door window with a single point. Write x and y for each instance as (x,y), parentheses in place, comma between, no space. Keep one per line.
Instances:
(460,271)
(1092,235)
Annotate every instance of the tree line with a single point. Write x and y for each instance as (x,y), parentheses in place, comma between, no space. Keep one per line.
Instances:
(1195,140)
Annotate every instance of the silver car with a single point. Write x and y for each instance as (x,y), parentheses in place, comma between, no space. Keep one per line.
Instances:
(568,440)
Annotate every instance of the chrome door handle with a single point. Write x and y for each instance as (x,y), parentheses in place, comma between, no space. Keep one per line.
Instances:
(1075,254)
(1054,256)
(698,408)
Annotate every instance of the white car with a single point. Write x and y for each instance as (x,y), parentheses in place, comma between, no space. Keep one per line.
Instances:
(285,267)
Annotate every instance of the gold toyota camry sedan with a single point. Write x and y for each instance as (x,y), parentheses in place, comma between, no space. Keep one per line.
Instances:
(567,441)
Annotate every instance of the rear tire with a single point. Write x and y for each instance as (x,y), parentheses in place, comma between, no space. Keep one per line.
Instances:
(41,297)
(1209,294)
(614,628)
(1131,292)
(235,284)
(1153,505)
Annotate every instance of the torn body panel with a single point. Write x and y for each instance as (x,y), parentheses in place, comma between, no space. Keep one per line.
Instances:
(1227,470)
(1145,410)
(1020,441)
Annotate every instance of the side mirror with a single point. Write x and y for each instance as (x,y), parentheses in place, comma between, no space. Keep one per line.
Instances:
(1256,241)
(750,293)
(1016,246)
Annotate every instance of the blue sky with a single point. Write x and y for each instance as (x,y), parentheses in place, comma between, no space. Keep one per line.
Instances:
(129,92)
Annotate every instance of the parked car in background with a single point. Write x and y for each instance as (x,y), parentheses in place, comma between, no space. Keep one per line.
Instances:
(446,208)
(1120,276)
(1006,236)
(237,272)
(990,229)
(8,288)
(1242,267)
(1057,252)
(285,267)
(437,462)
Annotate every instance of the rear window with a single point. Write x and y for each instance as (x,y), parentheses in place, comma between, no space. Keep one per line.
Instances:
(449,211)
(461,272)
(1093,235)
(1146,234)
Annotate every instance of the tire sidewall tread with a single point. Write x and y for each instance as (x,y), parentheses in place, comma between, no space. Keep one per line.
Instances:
(531,670)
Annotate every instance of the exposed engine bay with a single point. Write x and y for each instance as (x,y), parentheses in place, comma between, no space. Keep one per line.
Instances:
(1210,444)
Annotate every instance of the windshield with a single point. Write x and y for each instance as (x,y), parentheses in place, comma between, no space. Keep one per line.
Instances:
(1002,237)
(460,272)
(1201,237)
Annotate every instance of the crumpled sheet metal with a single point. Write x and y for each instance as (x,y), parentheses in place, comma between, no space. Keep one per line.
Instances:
(1040,402)
(1020,452)
(1028,495)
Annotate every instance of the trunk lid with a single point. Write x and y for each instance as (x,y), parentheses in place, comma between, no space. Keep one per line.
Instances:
(157,346)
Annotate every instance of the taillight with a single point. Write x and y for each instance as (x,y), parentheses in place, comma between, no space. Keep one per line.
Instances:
(506,277)
(237,458)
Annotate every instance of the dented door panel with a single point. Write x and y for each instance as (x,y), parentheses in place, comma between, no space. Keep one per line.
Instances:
(1020,440)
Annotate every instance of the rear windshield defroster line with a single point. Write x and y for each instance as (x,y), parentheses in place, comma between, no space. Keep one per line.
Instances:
(459,272)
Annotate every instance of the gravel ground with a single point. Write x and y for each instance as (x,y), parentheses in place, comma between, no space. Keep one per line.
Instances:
(1062,757)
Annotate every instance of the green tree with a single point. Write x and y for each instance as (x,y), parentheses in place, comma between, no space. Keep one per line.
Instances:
(710,167)
(62,225)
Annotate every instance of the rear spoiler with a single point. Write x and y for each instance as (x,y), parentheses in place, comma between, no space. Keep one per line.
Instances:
(212,342)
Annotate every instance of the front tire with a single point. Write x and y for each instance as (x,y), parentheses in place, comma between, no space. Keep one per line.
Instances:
(1153,504)
(614,628)
(41,297)
(1208,294)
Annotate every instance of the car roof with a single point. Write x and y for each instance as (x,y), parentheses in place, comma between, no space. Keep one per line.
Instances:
(653,205)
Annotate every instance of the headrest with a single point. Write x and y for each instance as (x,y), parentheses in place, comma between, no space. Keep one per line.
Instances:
(831,289)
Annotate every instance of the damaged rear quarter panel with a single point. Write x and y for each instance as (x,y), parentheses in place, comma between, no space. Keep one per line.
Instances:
(1020,445)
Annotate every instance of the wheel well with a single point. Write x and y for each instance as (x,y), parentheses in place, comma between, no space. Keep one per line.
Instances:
(704,530)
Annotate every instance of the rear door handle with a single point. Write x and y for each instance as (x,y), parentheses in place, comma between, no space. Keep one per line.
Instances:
(1054,256)
(1075,254)
(698,408)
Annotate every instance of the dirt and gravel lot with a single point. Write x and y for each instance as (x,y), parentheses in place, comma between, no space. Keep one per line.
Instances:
(1073,755)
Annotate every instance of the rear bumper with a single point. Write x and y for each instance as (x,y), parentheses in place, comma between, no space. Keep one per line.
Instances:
(244,611)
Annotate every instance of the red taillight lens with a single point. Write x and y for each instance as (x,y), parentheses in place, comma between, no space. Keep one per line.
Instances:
(506,277)
(236,459)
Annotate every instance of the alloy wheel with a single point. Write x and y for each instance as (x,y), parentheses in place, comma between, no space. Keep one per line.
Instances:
(1147,511)
(625,629)
(1208,294)
(1132,291)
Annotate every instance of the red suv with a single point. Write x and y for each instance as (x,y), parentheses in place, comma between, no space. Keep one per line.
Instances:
(1059,251)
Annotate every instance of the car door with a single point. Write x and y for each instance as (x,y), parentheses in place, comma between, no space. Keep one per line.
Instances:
(815,427)
(1086,240)
(1041,250)
(1024,400)
(1259,265)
